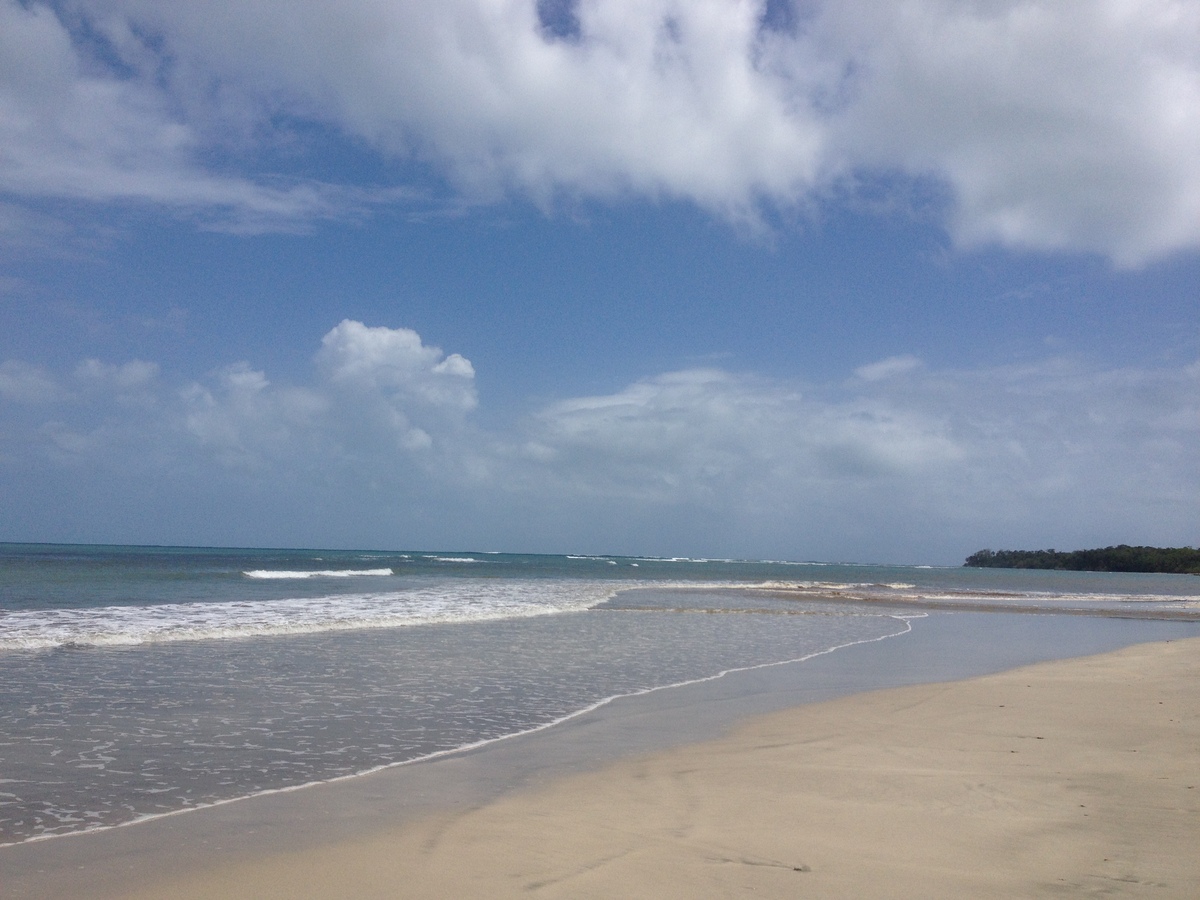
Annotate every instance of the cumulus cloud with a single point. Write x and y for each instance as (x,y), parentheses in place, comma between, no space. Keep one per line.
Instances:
(377,391)
(902,462)
(1049,124)
(393,387)
(244,421)
(395,363)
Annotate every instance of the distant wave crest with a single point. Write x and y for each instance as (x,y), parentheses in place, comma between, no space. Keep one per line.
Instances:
(905,592)
(324,573)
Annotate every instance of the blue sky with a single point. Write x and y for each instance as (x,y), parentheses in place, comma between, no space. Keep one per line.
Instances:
(854,281)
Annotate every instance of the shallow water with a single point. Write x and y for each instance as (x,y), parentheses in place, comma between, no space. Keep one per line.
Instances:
(145,681)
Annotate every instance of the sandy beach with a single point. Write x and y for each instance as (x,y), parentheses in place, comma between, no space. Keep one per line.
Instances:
(1068,778)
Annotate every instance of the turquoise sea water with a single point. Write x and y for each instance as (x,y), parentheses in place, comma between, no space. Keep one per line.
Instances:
(142,681)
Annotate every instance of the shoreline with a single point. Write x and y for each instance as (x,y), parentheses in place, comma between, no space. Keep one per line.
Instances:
(477,746)
(111,862)
(1072,777)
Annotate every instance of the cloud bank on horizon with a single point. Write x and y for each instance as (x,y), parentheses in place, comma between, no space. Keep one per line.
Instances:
(384,433)
(1066,125)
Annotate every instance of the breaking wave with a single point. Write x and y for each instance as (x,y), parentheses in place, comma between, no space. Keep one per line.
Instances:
(325,573)
(460,601)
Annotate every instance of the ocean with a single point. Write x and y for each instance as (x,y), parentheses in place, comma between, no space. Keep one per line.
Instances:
(146,681)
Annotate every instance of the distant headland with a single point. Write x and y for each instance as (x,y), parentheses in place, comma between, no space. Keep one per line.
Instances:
(1122,558)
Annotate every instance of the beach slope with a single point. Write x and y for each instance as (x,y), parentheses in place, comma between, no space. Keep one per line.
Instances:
(1069,778)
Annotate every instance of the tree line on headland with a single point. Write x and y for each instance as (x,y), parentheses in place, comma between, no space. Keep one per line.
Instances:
(1122,558)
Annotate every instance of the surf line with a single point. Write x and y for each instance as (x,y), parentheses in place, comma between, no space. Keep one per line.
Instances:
(905,618)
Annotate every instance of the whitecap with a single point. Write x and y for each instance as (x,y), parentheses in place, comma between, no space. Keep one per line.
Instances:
(463,600)
(323,573)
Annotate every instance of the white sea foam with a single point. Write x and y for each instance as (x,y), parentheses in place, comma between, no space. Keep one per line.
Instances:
(902,591)
(463,600)
(453,559)
(324,573)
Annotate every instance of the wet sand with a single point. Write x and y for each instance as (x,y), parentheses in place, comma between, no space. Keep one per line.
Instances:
(1078,777)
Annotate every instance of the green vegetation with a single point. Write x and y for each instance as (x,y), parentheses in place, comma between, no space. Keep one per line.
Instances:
(1122,558)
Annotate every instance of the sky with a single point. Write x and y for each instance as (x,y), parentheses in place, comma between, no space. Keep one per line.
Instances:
(854,281)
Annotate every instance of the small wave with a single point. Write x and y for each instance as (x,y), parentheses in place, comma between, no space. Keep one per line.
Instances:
(453,559)
(324,573)
(467,746)
(826,586)
(905,592)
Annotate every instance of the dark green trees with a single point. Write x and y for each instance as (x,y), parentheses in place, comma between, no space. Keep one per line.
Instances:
(1121,558)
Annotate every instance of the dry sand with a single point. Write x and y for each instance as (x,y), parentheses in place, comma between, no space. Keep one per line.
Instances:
(1077,778)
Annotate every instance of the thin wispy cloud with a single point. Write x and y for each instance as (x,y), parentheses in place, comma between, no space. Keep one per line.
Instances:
(72,128)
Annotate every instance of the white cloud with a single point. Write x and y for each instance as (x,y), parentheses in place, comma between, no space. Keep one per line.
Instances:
(888,368)
(26,383)
(393,389)
(394,362)
(379,392)
(134,383)
(732,440)
(1051,452)
(245,422)
(1058,124)
(932,464)
(71,129)
(657,97)
(1052,124)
